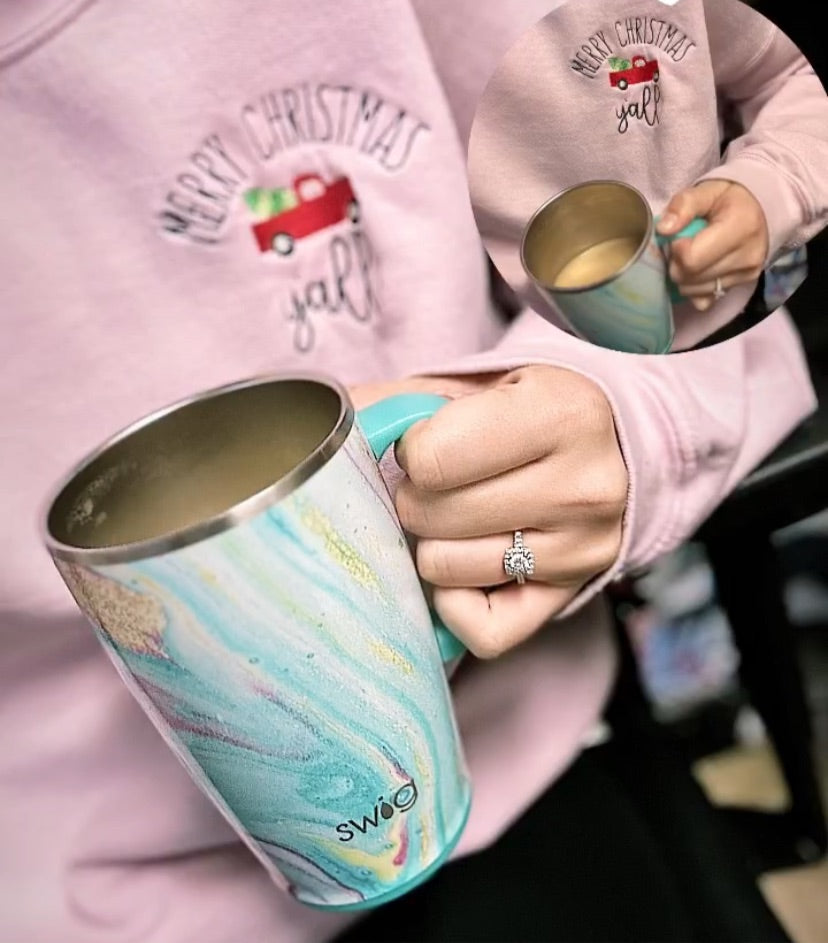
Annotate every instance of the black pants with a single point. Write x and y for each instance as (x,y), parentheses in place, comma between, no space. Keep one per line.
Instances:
(623,847)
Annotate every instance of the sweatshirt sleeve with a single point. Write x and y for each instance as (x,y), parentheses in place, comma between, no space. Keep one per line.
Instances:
(690,425)
(781,108)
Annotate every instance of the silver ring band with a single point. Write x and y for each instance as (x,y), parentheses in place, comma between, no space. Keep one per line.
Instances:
(518,560)
(718,291)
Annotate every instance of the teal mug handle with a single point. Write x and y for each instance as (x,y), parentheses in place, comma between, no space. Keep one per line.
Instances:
(384,423)
(693,228)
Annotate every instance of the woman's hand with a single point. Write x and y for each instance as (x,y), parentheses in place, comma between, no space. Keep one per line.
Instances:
(532,450)
(731,251)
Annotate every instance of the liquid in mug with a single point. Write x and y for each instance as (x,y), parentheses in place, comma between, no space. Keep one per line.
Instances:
(597,263)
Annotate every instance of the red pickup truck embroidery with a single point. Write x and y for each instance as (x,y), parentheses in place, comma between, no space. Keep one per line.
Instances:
(641,70)
(311,205)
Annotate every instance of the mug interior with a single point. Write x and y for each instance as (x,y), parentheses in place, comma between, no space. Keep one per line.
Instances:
(586,236)
(198,461)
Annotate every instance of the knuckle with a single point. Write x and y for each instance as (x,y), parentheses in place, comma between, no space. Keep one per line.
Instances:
(489,644)
(565,413)
(410,509)
(595,497)
(424,463)
(689,266)
(604,492)
(586,406)
(595,555)
(613,494)
(682,203)
(592,397)
(752,260)
(603,419)
(681,254)
(433,563)
(604,551)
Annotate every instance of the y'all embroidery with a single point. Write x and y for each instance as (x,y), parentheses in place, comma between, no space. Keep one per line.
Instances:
(286,215)
(346,287)
(644,105)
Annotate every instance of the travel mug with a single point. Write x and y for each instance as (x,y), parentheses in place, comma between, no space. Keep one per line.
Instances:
(240,559)
(592,252)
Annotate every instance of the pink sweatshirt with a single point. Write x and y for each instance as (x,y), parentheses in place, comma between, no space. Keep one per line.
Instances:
(141,148)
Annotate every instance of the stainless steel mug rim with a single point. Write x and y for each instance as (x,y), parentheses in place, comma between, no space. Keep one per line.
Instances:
(240,512)
(605,281)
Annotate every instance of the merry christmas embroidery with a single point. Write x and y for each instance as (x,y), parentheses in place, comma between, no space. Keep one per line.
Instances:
(631,54)
(199,200)
(307,228)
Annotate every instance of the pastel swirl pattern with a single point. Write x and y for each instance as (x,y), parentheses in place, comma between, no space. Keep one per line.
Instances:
(293,658)
(632,313)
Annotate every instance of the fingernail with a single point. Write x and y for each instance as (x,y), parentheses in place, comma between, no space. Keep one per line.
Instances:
(668,222)
(702,304)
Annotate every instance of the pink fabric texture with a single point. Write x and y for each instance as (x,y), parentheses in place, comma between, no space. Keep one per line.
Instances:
(136,143)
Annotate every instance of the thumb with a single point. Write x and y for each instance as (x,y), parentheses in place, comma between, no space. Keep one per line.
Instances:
(688,204)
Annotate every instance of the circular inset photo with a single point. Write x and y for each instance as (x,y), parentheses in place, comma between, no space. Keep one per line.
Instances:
(647,175)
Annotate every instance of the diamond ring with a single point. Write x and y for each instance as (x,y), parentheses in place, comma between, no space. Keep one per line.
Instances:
(518,560)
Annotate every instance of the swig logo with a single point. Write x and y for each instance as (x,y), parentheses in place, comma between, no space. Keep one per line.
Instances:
(401,801)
